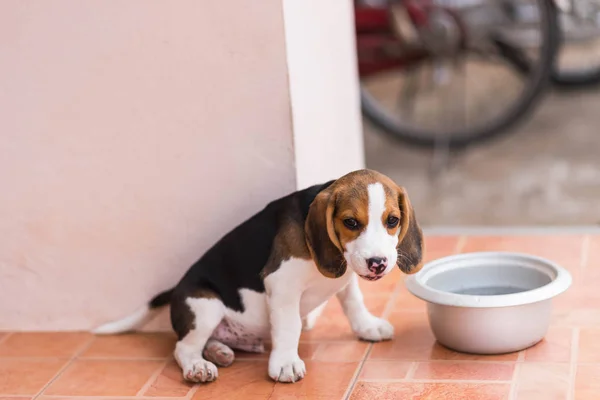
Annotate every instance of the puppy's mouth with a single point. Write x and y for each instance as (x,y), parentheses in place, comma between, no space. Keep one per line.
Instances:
(372,277)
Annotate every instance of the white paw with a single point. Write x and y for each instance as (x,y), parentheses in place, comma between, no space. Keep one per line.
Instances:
(373,329)
(286,368)
(200,371)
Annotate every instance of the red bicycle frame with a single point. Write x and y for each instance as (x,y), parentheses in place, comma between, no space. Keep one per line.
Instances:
(379,47)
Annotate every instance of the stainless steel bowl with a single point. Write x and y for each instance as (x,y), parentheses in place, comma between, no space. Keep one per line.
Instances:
(489,303)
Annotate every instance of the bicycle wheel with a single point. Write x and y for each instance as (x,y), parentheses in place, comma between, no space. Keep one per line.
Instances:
(578,61)
(495,79)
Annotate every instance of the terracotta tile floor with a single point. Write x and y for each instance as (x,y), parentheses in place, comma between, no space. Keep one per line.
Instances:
(566,365)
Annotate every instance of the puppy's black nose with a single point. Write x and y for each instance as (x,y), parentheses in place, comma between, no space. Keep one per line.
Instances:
(377,264)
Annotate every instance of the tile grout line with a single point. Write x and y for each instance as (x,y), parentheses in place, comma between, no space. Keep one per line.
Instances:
(123,358)
(573,364)
(357,373)
(482,362)
(585,251)
(514,382)
(192,390)
(457,381)
(191,393)
(410,374)
(438,361)
(384,314)
(153,378)
(110,397)
(460,244)
(392,300)
(87,358)
(83,348)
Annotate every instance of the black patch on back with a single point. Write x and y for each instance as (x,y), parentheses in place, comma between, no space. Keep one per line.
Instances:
(235,262)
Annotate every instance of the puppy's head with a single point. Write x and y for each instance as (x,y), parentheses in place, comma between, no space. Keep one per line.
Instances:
(366,222)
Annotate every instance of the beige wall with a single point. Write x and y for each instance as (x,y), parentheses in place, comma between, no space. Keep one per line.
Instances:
(134,134)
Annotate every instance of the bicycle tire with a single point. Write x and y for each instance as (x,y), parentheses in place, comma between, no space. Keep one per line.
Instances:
(528,100)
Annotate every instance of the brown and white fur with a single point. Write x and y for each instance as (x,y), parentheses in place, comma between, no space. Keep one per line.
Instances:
(274,273)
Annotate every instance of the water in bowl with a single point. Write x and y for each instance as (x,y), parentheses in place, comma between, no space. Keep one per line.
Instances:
(489,290)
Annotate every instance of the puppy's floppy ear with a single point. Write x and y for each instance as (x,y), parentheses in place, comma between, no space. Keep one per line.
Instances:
(410,240)
(321,237)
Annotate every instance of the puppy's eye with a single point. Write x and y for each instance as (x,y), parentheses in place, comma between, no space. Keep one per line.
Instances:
(392,221)
(351,223)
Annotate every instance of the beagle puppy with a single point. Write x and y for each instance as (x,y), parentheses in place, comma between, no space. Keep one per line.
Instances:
(275,272)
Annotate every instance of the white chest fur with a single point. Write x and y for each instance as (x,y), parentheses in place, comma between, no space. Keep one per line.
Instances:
(296,276)
(321,289)
(302,276)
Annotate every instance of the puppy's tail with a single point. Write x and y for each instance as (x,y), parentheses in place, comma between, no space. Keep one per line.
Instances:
(138,318)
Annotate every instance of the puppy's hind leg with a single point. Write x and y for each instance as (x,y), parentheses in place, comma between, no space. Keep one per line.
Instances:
(310,320)
(206,314)
(219,353)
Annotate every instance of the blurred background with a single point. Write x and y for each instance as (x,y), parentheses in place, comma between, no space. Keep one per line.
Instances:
(540,168)
(134,134)
(545,172)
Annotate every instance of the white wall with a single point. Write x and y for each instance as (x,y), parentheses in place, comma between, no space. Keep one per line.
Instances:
(322,65)
(135,134)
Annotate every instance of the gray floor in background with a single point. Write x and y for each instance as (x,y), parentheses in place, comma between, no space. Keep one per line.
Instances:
(546,172)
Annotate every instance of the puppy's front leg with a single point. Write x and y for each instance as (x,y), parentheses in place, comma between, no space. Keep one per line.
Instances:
(364,324)
(285,364)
